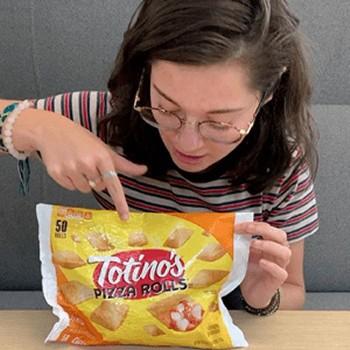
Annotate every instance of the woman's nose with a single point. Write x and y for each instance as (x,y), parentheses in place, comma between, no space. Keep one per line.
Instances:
(189,137)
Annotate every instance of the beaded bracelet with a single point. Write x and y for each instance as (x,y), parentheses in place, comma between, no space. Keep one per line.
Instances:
(3,116)
(266,311)
(7,121)
(9,117)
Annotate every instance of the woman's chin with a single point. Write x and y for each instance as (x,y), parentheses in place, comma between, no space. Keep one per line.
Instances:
(190,169)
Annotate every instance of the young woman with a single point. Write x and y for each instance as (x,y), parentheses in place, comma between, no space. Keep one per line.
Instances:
(207,110)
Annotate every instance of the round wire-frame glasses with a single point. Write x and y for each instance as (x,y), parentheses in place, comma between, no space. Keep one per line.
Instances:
(221,132)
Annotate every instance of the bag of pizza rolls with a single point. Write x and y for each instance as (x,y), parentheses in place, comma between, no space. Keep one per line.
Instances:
(156,279)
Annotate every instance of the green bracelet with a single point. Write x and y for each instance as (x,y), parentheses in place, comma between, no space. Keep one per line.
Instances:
(266,311)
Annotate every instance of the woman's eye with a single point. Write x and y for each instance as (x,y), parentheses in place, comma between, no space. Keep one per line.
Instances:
(166,113)
(162,113)
(169,109)
(218,126)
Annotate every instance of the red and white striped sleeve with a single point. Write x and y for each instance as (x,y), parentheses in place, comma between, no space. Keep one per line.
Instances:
(85,108)
(293,206)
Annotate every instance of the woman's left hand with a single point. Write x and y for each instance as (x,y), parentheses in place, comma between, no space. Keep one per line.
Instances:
(267,265)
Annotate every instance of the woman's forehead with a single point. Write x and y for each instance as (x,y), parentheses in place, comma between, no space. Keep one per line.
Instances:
(212,85)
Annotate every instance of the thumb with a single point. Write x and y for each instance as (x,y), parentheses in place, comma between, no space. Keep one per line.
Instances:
(127,167)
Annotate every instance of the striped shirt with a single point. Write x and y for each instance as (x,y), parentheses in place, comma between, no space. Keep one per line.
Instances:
(290,204)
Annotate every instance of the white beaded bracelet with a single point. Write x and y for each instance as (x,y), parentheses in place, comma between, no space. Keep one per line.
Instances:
(7,130)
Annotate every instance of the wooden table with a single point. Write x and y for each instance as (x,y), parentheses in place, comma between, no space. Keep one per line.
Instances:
(286,330)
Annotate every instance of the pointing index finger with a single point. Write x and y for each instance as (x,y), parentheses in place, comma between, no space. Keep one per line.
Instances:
(115,189)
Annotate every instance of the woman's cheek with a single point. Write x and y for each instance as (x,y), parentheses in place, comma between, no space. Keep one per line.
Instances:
(168,138)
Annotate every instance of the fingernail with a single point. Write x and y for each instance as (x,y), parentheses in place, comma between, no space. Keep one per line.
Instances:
(124,216)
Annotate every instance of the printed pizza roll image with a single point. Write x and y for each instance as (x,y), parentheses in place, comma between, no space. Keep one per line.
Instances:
(110,315)
(75,238)
(178,237)
(99,241)
(212,252)
(75,292)
(67,259)
(153,330)
(178,312)
(205,278)
(213,307)
(137,239)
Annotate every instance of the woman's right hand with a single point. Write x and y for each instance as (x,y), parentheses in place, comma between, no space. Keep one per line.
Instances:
(73,156)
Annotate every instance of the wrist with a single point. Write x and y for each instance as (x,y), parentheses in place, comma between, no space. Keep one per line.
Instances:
(257,299)
(8,118)
(268,309)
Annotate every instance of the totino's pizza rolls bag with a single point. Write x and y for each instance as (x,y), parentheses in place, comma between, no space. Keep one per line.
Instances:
(156,279)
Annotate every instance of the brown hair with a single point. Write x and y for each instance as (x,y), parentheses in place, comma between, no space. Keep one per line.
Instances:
(263,35)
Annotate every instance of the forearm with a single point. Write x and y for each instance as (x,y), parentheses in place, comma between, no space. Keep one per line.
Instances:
(85,108)
(292,297)
(32,125)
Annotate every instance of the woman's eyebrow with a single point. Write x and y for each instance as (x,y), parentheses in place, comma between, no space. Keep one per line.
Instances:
(216,111)
(161,93)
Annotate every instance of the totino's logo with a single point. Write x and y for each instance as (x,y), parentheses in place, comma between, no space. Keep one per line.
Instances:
(138,274)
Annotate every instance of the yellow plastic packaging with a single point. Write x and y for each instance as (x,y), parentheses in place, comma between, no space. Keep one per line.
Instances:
(155,280)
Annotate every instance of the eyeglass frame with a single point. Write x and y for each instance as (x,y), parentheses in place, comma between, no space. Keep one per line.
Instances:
(242,132)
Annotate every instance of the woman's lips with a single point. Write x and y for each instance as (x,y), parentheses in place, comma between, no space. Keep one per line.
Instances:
(189,159)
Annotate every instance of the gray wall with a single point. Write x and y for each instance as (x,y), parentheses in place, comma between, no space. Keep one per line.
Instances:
(65,45)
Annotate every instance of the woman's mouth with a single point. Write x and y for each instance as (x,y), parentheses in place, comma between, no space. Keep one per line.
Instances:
(186,158)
